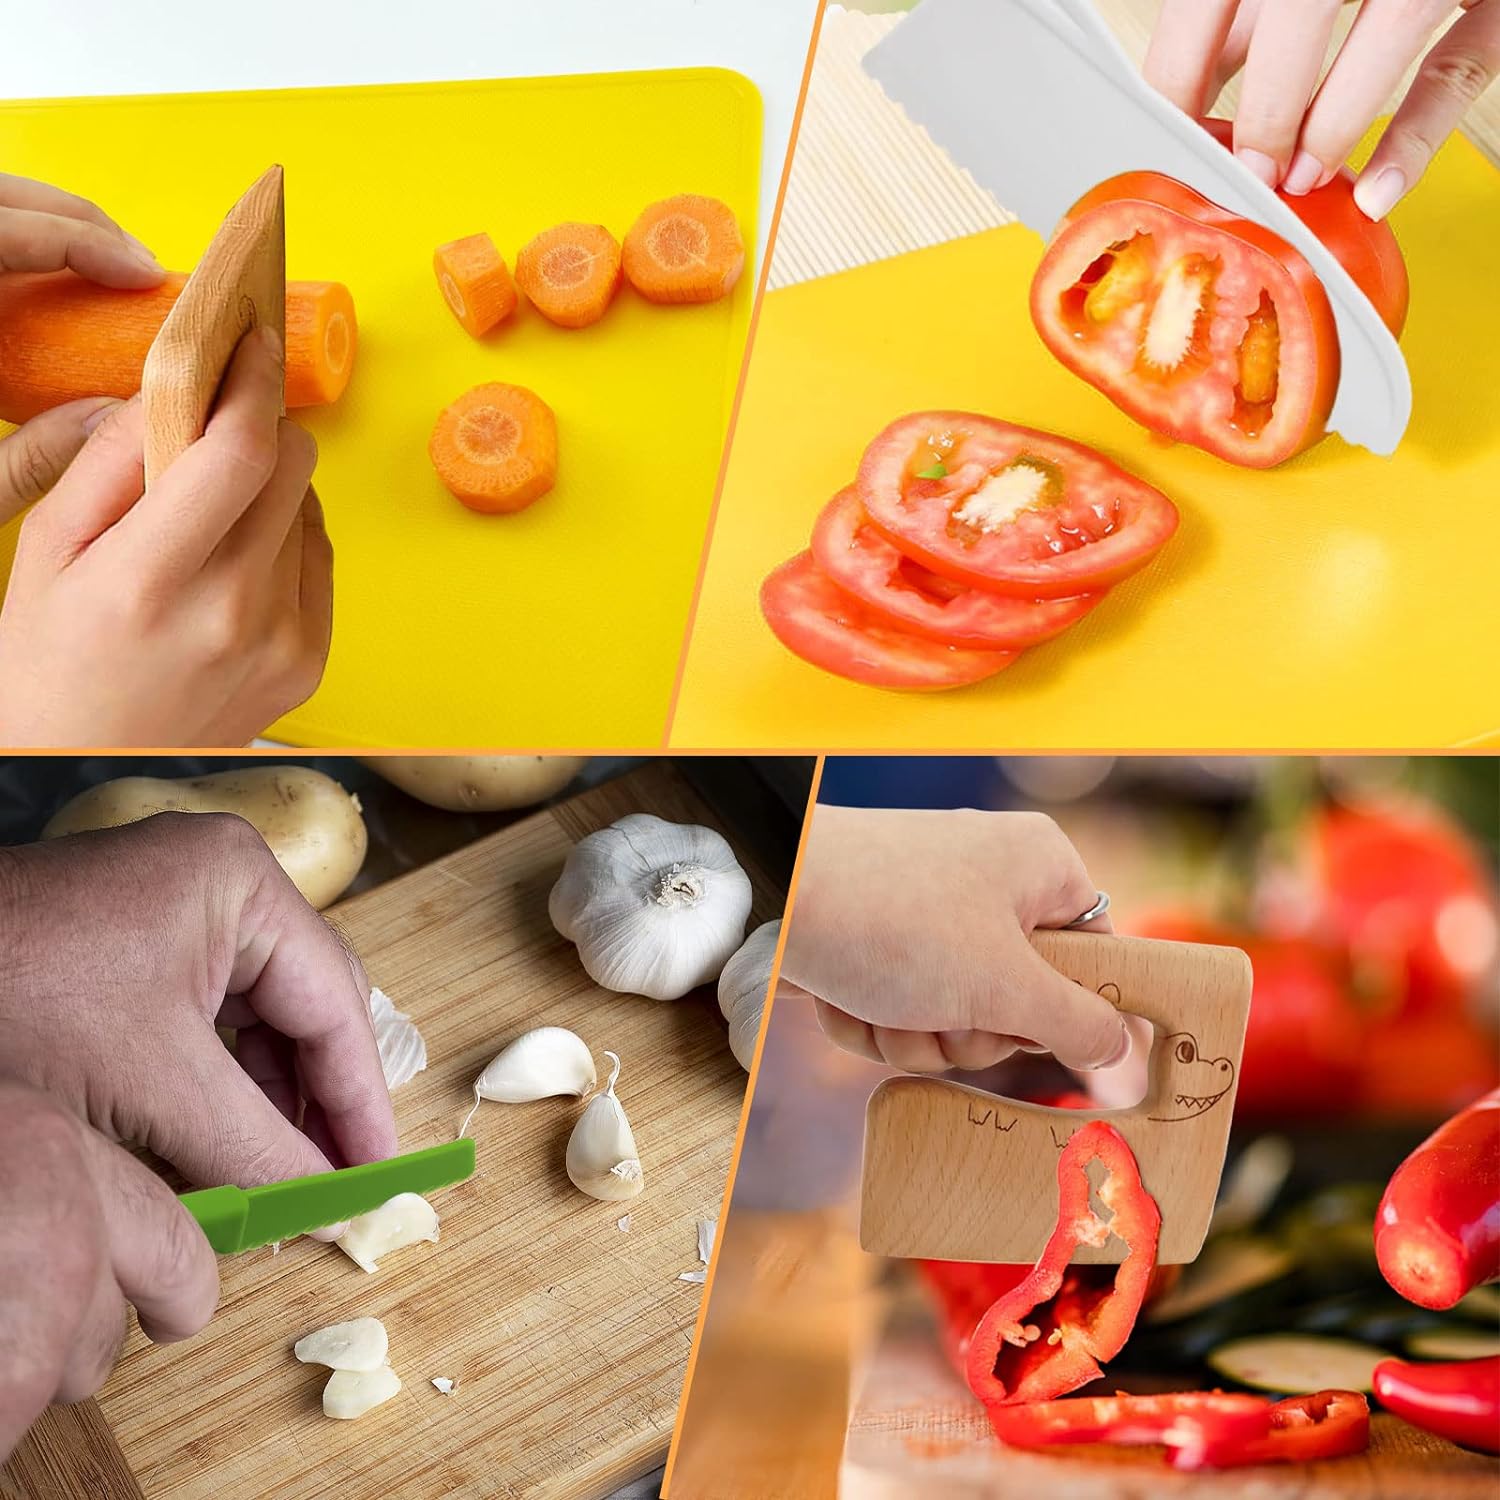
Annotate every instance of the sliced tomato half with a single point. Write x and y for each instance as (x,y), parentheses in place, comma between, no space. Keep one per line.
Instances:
(863,563)
(819,622)
(1007,508)
(1203,326)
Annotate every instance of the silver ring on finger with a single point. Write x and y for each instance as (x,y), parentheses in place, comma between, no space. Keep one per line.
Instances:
(1097,910)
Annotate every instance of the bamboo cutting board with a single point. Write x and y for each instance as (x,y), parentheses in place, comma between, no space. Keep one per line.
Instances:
(568,1338)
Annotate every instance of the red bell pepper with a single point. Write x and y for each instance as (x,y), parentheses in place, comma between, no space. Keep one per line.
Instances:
(1325,1424)
(1043,1333)
(1437,1230)
(1459,1401)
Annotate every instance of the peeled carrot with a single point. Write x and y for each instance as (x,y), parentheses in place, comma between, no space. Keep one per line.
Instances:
(496,447)
(571,273)
(62,337)
(684,249)
(476,282)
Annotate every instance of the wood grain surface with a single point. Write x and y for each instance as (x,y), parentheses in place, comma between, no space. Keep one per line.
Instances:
(567,1337)
(953,1173)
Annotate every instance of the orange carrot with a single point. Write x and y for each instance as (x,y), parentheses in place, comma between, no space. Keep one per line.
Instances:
(496,447)
(684,249)
(62,337)
(571,273)
(476,282)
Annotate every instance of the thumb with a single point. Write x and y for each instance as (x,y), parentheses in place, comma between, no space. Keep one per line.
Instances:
(32,458)
(1079,1028)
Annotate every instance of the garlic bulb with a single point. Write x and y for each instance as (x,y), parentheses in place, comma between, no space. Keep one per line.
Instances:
(654,907)
(602,1160)
(397,1223)
(539,1064)
(742,990)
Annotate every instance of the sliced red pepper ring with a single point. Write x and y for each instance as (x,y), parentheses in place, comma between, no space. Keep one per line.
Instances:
(1324,1424)
(863,563)
(1009,509)
(1046,1335)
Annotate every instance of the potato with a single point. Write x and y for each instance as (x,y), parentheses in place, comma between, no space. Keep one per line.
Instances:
(477,783)
(310,822)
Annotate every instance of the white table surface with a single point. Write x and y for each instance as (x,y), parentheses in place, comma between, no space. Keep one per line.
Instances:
(53,49)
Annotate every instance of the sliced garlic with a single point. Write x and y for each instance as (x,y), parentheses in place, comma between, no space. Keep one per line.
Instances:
(539,1064)
(351,1393)
(360,1344)
(403,1053)
(602,1159)
(404,1220)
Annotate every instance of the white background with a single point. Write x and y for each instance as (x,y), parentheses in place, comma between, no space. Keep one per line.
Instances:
(49,48)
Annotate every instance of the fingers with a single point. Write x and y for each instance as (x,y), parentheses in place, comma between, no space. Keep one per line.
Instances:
(1183,55)
(1452,77)
(1284,59)
(315,596)
(194,505)
(1058,889)
(1385,38)
(35,240)
(160,1257)
(32,458)
(260,537)
(1079,1028)
(847,1031)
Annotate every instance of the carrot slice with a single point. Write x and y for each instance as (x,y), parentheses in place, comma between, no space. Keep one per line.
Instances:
(476,282)
(62,337)
(571,273)
(496,447)
(684,249)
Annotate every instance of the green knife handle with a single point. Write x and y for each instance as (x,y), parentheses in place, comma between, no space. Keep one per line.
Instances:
(220,1211)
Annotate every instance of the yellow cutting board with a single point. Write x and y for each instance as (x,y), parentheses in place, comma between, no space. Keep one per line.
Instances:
(558,627)
(1340,601)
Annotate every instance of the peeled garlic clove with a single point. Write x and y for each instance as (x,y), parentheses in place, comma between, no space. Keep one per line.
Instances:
(403,1053)
(602,1160)
(539,1064)
(360,1344)
(655,907)
(405,1219)
(742,990)
(351,1393)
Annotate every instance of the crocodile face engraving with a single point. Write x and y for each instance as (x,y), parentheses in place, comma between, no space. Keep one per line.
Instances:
(1194,1084)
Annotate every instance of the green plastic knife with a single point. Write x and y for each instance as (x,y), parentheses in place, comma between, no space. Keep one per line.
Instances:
(236,1219)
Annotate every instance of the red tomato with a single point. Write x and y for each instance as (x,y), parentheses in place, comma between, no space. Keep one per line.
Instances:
(1206,327)
(861,562)
(1009,509)
(833,630)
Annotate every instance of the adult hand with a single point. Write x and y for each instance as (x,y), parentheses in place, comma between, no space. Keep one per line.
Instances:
(192,613)
(910,933)
(124,948)
(1293,131)
(86,1228)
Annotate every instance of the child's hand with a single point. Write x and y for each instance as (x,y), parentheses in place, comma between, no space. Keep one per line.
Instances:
(1295,132)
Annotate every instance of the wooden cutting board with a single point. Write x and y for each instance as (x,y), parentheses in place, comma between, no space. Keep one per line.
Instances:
(915,1431)
(567,1338)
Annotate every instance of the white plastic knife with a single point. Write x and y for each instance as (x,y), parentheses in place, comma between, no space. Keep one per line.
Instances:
(1039,101)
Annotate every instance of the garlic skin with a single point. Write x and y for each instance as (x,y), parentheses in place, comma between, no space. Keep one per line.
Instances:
(403,1053)
(539,1064)
(360,1344)
(655,908)
(742,990)
(404,1220)
(602,1159)
(351,1393)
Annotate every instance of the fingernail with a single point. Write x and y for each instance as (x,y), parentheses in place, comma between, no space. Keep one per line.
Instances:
(1303,175)
(1121,1052)
(1261,164)
(1376,196)
(329,1233)
(143,253)
(271,338)
(100,412)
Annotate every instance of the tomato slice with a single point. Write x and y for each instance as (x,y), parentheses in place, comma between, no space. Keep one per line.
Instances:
(1009,509)
(1206,327)
(819,622)
(863,563)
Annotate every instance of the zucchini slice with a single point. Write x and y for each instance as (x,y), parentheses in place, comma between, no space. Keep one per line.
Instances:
(1229,1266)
(1453,1343)
(1290,1363)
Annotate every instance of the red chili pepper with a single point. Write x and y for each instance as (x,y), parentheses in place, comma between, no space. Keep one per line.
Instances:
(1325,1424)
(1437,1230)
(1459,1401)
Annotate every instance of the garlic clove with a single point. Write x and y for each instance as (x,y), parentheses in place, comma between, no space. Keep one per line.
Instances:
(743,990)
(360,1344)
(403,1053)
(602,1159)
(351,1393)
(539,1064)
(404,1220)
(655,908)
